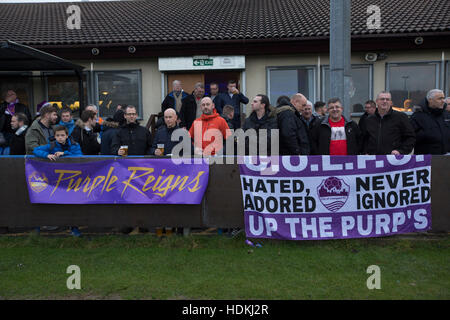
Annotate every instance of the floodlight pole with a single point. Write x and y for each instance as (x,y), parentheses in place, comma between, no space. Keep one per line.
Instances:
(340,52)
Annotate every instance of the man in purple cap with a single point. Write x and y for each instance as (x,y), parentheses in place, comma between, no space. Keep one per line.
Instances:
(9,108)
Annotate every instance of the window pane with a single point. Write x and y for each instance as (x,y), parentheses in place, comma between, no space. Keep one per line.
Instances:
(22,85)
(62,90)
(117,87)
(291,81)
(409,84)
(359,91)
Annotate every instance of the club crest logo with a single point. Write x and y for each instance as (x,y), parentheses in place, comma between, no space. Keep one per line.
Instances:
(38,182)
(333,193)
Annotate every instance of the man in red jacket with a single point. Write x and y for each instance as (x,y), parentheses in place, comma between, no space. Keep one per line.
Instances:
(209,130)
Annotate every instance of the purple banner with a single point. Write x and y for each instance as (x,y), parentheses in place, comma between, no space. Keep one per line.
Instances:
(120,181)
(323,197)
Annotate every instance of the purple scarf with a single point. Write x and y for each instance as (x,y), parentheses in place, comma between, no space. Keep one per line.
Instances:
(11,108)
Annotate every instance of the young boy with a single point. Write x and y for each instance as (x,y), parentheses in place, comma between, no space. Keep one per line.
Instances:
(61,147)
(66,119)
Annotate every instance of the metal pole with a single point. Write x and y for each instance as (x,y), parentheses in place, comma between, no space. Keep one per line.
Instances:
(80,90)
(340,52)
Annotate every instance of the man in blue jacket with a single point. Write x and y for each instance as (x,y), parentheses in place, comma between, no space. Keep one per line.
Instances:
(66,119)
(234,98)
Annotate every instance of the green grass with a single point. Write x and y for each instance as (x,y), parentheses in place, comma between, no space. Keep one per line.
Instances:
(215,267)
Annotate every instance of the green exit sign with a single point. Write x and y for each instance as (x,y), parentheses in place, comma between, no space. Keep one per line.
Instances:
(203,62)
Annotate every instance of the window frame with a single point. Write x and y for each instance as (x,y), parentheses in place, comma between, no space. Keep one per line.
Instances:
(369,66)
(46,74)
(293,67)
(95,87)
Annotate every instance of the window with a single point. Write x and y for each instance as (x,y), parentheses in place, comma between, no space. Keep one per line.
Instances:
(117,87)
(291,80)
(409,83)
(361,88)
(21,83)
(62,89)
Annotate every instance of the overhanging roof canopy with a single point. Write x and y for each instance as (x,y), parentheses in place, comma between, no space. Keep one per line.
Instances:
(18,57)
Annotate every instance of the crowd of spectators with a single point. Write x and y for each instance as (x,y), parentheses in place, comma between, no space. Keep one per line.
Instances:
(304,128)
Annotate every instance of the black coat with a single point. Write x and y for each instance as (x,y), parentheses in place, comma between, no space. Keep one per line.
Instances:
(164,136)
(392,132)
(432,128)
(293,133)
(267,122)
(188,111)
(321,137)
(362,122)
(5,119)
(136,137)
(17,143)
(169,101)
(107,137)
(87,140)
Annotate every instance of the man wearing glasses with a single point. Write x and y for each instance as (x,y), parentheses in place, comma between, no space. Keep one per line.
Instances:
(131,138)
(387,131)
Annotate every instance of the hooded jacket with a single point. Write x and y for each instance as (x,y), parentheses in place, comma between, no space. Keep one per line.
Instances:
(321,137)
(432,129)
(35,136)
(293,133)
(206,122)
(136,137)
(69,149)
(392,132)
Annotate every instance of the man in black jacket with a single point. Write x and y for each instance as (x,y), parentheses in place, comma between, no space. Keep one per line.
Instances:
(8,108)
(308,118)
(293,133)
(261,117)
(388,131)
(370,106)
(84,134)
(137,138)
(335,135)
(19,123)
(431,123)
(190,109)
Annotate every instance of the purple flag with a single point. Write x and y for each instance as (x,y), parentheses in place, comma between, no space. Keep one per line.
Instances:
(323,197)
(130,181)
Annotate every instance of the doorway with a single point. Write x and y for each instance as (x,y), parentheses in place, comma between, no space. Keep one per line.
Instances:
(188,80)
